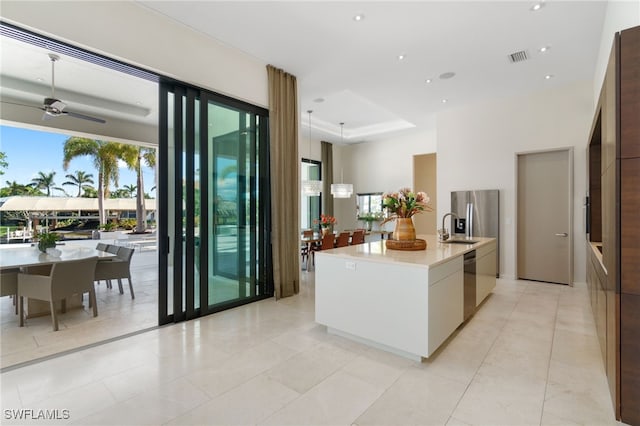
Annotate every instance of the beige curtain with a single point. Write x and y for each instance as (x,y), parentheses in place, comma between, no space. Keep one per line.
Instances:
(327,177)
(285,187)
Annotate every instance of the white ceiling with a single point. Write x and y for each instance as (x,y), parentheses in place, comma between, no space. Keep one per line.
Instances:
(352,65)
(86,88)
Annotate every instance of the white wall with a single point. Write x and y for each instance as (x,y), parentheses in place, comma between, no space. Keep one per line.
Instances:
(477,149)
(381,166)
(620,15)
(129,32)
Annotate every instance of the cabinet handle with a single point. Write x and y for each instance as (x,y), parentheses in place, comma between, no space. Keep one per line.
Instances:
(563,234)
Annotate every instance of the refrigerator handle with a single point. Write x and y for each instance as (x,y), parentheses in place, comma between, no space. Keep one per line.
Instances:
(469,220)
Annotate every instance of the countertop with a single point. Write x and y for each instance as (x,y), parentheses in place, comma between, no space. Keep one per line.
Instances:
(436,252)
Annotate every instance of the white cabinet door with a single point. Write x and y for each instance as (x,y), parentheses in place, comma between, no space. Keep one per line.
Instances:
(485,274)
(445,302)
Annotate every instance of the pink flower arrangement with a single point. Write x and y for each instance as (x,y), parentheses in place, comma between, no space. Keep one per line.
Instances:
(405,203)
(326,221)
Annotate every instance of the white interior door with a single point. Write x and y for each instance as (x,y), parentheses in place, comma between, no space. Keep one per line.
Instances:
(544,216)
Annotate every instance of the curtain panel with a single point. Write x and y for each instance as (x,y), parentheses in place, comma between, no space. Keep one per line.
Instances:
(327,177)
(285,185)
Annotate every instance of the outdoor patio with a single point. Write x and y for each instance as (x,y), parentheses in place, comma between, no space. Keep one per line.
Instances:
(118,314)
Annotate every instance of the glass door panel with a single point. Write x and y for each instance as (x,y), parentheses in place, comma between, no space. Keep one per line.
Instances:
(215,220)
(232,222)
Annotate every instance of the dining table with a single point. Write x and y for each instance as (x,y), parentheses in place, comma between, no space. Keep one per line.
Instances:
(22,257)
(25,257)
(310,240)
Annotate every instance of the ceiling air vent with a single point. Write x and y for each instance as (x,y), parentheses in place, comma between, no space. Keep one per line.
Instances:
(518,56)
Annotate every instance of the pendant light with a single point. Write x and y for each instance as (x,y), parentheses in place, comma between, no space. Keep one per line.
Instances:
(341,190)
(311,188)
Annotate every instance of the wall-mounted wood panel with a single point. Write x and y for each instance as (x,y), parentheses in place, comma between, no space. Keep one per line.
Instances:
(630,93)
(608,100)
(595,193)
(630,359)
(630,235)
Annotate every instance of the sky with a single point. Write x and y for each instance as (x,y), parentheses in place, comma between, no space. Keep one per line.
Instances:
(31,151)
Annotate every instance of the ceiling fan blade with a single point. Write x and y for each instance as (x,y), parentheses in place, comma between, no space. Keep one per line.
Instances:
(84,117)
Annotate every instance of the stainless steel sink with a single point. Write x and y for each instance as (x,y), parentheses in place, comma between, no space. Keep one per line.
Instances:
(454,241)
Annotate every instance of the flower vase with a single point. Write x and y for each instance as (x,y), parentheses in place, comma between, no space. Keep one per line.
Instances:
(325,230)
(369,225)
(404,230)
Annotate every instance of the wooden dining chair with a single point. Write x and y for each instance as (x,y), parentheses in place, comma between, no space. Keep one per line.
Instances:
(305,247)
(65,280)
(327,242)
(343,239)
(357,237)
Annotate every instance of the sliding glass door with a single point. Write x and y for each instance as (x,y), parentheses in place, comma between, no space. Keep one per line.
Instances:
(216,252)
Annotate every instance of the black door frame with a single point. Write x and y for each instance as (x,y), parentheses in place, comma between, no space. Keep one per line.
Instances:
(260,253)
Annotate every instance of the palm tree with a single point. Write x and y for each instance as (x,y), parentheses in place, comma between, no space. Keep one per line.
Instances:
(3,162)
(46,181)
(105,158)
(80,179)
(15,188)
(135,156)
(130,190)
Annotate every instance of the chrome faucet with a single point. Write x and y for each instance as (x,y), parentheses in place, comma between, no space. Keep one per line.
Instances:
(443,233)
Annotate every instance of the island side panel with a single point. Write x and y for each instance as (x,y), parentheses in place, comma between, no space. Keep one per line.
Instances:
(381,302)
(446,300)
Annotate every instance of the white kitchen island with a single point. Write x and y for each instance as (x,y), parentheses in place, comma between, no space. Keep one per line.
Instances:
(406,302)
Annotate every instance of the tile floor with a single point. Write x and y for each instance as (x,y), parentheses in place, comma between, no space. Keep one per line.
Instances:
(528,357)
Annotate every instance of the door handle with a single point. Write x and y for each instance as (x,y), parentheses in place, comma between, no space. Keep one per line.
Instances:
(563,234)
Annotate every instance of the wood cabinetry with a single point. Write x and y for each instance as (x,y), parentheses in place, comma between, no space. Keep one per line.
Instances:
(614,220)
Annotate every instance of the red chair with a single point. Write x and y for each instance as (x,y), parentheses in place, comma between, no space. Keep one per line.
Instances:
(328,242)
(357,237)
(305,247)
(343,239)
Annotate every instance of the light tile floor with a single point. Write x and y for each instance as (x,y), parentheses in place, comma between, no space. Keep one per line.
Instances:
(528,357)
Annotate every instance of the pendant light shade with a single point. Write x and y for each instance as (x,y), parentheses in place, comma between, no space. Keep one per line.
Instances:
(341,190)
(311,188)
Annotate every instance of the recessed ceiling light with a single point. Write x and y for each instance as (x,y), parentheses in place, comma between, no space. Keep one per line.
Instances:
(428,81)
(402,57)
(358,17)
(318,100)
(548,76)
(444,101)
(544,49)
(447,75)
(536,7)
(40,79)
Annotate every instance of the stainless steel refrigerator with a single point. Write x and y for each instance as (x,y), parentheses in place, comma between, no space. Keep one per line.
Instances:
(479,216)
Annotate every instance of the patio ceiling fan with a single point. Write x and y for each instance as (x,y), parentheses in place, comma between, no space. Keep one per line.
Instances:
(54,107)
